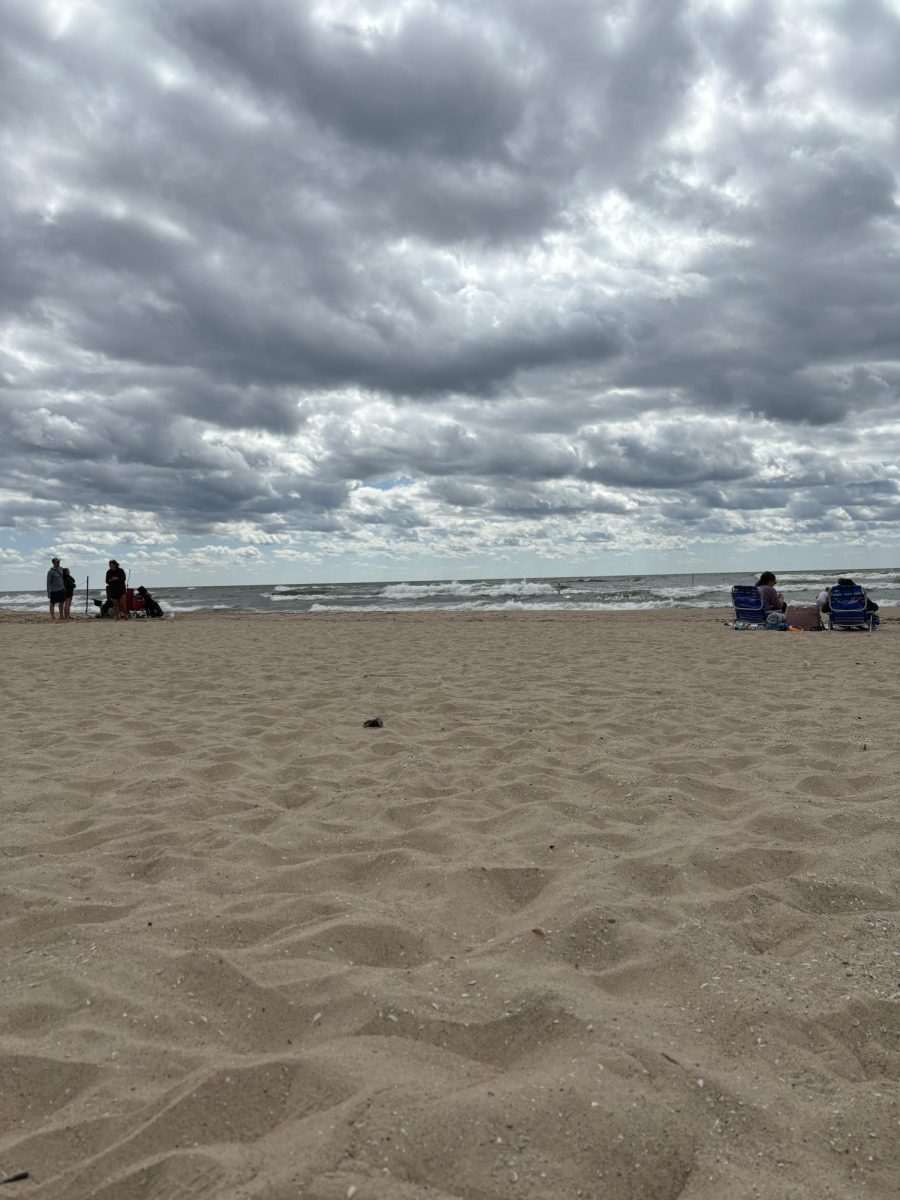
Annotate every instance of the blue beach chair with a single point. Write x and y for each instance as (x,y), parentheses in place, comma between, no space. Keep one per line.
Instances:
(748,605)
(848,608)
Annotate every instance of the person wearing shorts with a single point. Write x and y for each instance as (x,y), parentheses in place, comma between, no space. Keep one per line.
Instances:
(115,589)
(56,589)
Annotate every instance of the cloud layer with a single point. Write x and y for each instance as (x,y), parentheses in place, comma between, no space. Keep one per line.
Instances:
(301,285)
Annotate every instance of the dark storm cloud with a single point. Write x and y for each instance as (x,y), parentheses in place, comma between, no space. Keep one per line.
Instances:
(492,203)
(234,407)
(670,456)
(538,502)
(550,263)
(429,87)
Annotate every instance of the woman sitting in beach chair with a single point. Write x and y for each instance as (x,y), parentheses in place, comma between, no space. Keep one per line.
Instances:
(772,601)
(754,603)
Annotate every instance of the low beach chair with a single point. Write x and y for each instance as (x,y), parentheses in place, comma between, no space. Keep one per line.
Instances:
(748,605)
(848,609)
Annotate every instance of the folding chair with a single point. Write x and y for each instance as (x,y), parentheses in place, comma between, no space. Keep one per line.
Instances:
(848,608)
(748,605)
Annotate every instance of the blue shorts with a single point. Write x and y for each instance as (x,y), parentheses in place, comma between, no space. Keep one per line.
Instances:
(58,597)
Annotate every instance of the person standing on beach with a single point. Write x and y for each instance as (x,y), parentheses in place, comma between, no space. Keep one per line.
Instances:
(56,589)
(69,581)
(115,589)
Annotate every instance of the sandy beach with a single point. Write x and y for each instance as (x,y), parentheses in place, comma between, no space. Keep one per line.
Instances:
(608,908)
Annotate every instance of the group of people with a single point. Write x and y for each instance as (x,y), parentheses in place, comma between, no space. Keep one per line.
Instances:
(823,600)
(61,587)
(774,601)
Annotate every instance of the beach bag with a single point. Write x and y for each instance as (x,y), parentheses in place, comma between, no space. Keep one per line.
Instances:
(804,616)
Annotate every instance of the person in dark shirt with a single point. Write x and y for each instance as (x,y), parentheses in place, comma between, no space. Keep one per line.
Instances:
(69,581)
(871,606)
(772,601)
(116,580)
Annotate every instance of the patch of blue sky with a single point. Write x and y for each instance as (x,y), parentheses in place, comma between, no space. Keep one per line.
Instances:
(387,485)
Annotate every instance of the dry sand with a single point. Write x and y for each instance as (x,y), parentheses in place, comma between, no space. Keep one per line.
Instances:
(607,909)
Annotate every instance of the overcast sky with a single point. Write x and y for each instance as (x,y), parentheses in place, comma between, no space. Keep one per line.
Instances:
(320,289)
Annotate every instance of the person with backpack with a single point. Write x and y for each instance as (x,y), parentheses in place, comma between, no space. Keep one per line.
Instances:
(56,589)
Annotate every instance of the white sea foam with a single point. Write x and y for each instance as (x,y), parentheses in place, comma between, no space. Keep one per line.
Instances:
(294,596)
(473,588)
(513,605)
(24,602)
(690,593)
(379,608)
(169,606)
(861,576)
(804,579)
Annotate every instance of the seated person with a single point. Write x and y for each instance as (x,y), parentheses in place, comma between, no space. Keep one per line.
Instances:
(871,606)
(772,601)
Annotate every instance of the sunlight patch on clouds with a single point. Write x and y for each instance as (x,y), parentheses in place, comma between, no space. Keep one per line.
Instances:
(293,555)
(637,241)
(245,531)
(697,132)
(169,78)
(377,17)
(12,346)
(215,554)
(729,8)
(61,15)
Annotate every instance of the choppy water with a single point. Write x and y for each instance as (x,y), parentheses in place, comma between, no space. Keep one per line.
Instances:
(563,594)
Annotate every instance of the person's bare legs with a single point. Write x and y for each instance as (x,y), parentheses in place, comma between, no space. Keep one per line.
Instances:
(65,608)
(122,608)
(52,606)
